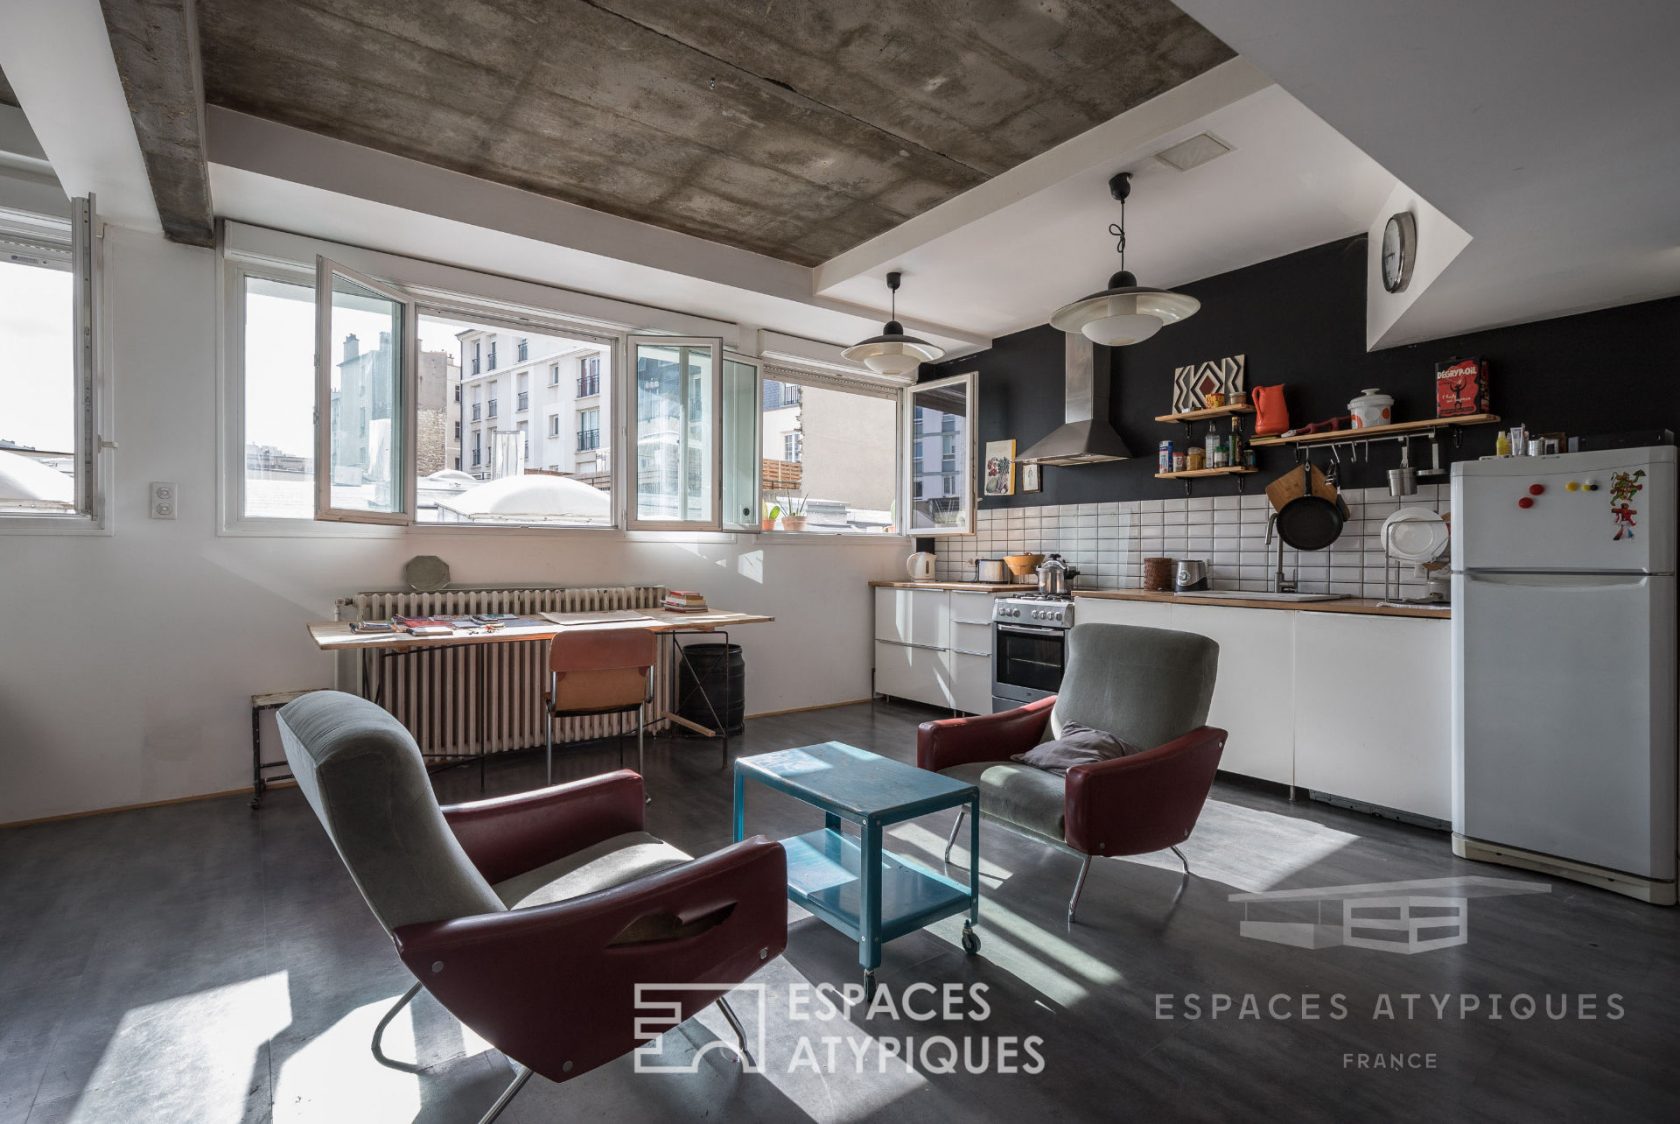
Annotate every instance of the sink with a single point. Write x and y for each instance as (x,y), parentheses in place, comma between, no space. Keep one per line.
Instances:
(1235,595)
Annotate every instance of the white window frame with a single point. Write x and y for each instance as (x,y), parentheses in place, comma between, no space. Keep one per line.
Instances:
(632,458)
(403,424)
(77,242)
(793,371)
(753,525)
(971,382)
(428,302)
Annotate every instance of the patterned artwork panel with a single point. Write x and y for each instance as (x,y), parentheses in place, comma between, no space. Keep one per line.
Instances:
(1192,384)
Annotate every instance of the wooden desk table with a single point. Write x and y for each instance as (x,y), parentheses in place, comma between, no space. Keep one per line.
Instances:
(338,636)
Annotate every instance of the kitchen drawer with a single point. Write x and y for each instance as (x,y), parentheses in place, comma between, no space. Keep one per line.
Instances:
(971,639)
(913,616)
(971,682)
(971,608)
(1099,610)
(919,674)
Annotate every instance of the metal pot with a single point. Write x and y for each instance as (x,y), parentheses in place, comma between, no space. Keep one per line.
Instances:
(992,571)
(1055,576)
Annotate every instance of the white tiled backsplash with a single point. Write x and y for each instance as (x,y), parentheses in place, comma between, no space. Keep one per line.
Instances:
(1107,542)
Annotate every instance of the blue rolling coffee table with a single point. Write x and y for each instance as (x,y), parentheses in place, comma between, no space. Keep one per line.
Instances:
(869,894)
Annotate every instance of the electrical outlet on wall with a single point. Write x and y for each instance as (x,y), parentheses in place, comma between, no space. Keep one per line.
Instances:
(162,504)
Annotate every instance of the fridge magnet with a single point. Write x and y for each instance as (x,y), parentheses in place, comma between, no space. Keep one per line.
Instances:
(1624,486)
(1000,469)
(1192,384)
(1031,478)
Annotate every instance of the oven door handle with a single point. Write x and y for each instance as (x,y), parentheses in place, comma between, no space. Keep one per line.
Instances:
(1036,630)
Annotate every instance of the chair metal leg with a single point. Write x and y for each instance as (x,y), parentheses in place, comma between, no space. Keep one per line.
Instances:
(379,1034)
(1078,888)
(956,827)
(1182,859)
(507,1096)
(548,740)
(740,1031)
(621,746)
(641,759)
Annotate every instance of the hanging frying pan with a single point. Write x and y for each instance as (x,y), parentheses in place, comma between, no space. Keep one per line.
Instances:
(1311,520)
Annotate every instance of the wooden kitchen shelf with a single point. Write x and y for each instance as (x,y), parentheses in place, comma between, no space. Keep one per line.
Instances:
(1374,432)
(1196,473)
(1206,414)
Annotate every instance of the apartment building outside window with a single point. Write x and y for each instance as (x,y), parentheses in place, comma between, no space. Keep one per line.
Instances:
(589,429)
(589,377)
(492,364)
(554,374)
(554,425)
(492,410)
(478,448)
(522,349)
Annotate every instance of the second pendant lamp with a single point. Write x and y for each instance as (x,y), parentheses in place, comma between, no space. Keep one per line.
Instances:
(892,352)
(1125,312)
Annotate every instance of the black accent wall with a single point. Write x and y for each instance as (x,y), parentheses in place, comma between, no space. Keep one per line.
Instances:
(1300,320)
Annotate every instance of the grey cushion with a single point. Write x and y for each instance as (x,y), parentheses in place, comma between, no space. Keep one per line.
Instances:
(1078,745)
(1021,795)
(363,774)
(1146,686)
(611,862)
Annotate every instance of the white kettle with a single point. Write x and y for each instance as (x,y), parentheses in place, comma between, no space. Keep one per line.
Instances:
(920,565)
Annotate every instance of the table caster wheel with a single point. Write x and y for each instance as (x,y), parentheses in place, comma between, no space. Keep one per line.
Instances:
(970,941)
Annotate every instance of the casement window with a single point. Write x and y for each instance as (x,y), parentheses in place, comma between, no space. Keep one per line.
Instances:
(830,446)
(938,486)
(523,349)
(347,412)
(554,425)
(51,450)
(693,435)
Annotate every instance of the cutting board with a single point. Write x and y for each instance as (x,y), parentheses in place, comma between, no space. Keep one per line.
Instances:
(1293,484)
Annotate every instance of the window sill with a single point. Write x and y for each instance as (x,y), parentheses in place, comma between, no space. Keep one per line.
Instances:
(831,538)
(52,525)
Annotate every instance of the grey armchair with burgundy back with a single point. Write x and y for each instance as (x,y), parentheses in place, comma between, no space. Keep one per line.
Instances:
(532,918)
(1151,687)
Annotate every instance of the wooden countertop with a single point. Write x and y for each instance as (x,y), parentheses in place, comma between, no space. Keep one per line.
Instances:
(1363,606)
(966,587)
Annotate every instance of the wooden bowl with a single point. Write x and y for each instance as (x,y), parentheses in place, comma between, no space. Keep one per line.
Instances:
(1022,565)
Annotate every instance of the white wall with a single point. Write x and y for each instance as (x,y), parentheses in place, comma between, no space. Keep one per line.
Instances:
(129,659)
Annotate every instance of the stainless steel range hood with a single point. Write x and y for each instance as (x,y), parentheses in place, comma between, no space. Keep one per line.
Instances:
(1086,437)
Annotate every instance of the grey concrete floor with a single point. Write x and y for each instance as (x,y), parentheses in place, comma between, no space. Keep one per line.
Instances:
(201,962)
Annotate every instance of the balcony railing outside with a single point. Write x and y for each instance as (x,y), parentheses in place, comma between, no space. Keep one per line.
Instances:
(588,439)
(476,409)
(524,400)
(588,385)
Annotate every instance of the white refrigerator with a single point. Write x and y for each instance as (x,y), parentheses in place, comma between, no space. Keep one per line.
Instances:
(1564,698)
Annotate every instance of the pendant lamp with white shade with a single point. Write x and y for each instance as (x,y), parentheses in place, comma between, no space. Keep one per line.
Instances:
(892,352)
(1125,312)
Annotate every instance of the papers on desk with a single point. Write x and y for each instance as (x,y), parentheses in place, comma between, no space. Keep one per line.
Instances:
(604,616)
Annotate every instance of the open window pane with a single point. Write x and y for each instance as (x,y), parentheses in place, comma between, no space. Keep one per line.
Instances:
(939,460)
(677,430)
(740,445)
(361,398)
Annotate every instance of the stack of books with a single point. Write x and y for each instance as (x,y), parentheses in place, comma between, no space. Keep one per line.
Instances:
(684,601)
(427,626)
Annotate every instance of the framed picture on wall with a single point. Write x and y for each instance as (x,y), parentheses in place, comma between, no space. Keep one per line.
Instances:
(999,476)
(1032,479)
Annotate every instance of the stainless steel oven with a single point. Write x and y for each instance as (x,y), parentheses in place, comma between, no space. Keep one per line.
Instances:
(1029,648)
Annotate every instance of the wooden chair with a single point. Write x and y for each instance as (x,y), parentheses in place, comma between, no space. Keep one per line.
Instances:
(600,671)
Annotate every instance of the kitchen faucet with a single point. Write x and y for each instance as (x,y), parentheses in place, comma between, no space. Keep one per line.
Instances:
(1279,585)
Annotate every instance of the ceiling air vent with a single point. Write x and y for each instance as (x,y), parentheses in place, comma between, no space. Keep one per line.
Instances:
(1193,153)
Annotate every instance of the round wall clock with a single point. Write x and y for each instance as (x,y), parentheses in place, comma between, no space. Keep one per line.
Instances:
(1399,249)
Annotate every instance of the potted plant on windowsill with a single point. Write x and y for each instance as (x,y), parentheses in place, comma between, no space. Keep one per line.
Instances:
(771,514)
(793,519)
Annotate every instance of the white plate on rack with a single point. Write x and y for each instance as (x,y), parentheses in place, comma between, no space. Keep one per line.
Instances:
(1415,534)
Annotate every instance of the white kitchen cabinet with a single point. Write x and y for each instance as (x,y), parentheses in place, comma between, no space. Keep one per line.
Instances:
(1254,693)
(935,646)
(1098,610)
(913,616)
(1373,710)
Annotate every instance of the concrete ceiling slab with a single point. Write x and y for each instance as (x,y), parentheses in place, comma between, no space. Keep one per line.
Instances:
(797,129)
